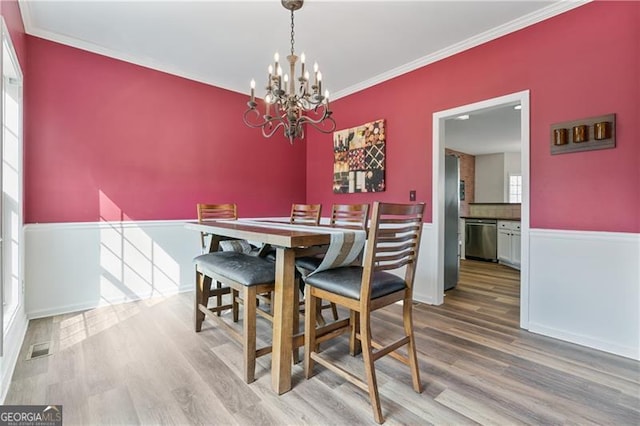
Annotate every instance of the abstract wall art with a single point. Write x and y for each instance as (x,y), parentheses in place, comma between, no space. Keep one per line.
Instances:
(359,158)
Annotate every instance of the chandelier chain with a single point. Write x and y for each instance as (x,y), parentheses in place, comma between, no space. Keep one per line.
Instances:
(292,34)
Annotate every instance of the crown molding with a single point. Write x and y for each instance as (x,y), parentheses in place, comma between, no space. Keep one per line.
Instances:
(550,11)
(492,34)
(110,53)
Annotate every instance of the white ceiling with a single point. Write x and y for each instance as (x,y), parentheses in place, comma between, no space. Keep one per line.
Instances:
(357,43)
(227,43)
(488,131)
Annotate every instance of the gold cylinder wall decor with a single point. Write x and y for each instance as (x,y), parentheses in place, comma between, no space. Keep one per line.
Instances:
(560,137)
(601,130)
(580,133)
(583,134)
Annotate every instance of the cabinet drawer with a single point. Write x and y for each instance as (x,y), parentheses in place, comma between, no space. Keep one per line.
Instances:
(509,225)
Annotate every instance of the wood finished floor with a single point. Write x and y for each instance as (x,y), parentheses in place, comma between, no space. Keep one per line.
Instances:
(142,363)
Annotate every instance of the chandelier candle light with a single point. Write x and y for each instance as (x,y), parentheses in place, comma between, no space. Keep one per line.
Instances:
(294,105)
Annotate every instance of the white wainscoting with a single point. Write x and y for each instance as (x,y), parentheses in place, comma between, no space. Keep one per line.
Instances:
(75,266)
(584,287)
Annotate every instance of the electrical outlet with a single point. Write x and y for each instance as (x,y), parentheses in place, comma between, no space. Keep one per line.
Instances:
(412,195)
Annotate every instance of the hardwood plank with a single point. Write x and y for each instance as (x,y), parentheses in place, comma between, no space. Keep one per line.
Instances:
(113,406)
(143,361)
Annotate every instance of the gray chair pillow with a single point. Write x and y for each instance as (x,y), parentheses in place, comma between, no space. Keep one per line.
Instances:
(240,246)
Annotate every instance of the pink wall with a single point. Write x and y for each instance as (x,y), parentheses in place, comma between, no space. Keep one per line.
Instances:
(580,64)
(105,139)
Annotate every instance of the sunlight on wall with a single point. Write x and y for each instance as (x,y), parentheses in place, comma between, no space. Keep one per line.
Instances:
(134,265)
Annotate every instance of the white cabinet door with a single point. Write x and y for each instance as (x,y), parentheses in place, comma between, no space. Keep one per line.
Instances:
(509,242)
(504,245)
(515,248)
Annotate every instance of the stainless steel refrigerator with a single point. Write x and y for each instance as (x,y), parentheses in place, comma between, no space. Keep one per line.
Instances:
(451,218)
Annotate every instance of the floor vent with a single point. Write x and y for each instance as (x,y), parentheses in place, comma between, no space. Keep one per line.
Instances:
(39,350)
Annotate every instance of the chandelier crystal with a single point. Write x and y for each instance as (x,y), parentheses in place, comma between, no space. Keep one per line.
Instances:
(290,103)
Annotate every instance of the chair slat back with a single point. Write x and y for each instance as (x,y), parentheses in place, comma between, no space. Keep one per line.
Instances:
(208,212)
(393,242)
(355,216)
(217,211)
(305,214)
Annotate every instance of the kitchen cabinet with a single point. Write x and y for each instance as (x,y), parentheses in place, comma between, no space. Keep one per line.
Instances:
(509,243)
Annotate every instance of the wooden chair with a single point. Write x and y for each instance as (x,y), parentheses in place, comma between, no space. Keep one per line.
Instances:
(245,276)
(393,243)
(209,212)
(305,214)
(248,276)
(353,216)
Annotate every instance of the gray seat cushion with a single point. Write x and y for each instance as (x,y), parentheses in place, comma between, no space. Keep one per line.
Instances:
(347,281)
(309,263)
(243,268)
(271,254)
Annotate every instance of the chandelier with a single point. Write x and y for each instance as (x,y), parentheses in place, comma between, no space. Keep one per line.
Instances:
(289,102)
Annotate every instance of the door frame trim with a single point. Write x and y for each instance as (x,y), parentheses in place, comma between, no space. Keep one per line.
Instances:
(438,190)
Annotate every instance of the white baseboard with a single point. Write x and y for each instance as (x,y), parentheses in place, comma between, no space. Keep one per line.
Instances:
(588,341)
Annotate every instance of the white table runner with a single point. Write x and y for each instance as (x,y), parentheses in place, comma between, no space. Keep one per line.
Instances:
(345,246)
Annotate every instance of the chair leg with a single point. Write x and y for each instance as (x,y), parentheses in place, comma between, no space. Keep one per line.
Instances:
(234,304)
(296,322)
(319,318)
(354,344)
(218,296)
(203,285)
(369,367)
(249,333)
(407,316)
(334,310)
(309,332)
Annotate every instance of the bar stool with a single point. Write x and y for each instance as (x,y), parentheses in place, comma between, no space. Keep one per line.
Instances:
(393,243)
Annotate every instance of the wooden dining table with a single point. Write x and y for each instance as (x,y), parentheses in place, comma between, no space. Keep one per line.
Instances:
(286,241)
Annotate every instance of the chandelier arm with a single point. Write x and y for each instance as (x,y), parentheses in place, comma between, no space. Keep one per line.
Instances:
(319,125)
(266,122)
(272,128)
(253,123)
(321,114)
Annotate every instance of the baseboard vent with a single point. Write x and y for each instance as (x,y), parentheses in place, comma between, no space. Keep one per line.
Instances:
(39,350)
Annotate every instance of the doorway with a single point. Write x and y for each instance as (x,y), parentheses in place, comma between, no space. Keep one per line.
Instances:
(439,119)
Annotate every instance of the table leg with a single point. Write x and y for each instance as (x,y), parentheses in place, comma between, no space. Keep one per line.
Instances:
(283,321)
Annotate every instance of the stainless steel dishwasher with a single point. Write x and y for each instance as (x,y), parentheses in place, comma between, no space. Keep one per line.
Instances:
(481,239)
